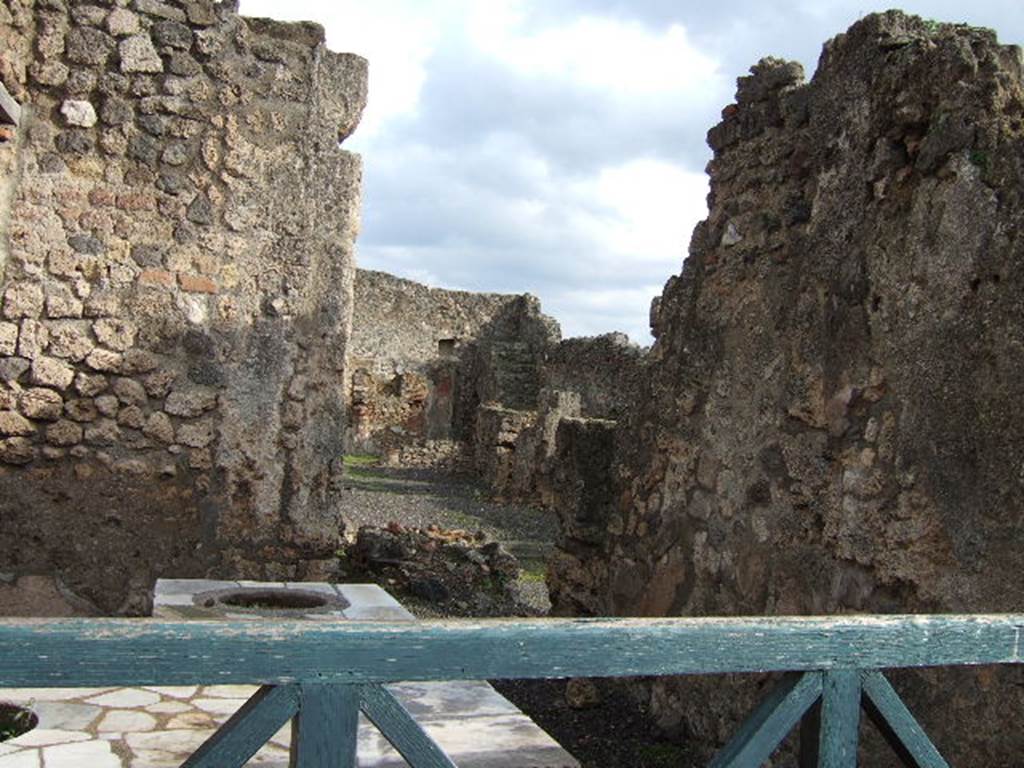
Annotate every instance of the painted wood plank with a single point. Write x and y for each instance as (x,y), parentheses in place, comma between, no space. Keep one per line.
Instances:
(248,729)
(93,652)
(398,727)
(324,732)
(896,722)
(766,727)
(840,719)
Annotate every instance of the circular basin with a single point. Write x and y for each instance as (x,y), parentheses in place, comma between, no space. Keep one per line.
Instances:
(15,720)
(270,601)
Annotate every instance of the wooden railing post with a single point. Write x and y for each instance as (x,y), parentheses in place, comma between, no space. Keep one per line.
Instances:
(324,730)
(840,719)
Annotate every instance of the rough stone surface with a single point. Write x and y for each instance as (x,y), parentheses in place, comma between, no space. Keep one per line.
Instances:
(832,414)
(152,282)
(8,338)
(78,112)
(121,22)
(115,333)
(607,371)
(438,565)
(70,341)
(16,451)
(50,372)
(40,596)
(422,359)
(23,299)
(159,427)
(42,404)
(189,403)
(12,423)
(139,55)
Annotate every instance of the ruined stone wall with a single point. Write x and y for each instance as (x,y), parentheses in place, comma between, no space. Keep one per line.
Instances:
(513,448)
(606,371)
(176,298)
(400,323)
(581,479)
(411,362)
(422,359)
(832,418)
(592,380)
(17,31)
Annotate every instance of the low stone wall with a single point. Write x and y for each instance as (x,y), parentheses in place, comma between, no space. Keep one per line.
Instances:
(176,274)
(582,480)
(498,431)
(606,371)
(448,455)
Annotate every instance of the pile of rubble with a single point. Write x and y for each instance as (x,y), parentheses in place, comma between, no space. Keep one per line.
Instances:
(452,570)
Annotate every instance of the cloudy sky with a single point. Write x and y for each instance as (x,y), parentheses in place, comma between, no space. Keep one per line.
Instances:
(556,147)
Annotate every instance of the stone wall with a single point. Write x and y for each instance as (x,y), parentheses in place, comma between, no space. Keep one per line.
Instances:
(581,478)
(832,420)
(176,294)
(476,382)
(606,371)
(515,450)
(423,359)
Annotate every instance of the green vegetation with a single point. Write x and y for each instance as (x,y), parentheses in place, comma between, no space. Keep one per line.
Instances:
(352,460)
(366,481)
(532,571)
(361,467)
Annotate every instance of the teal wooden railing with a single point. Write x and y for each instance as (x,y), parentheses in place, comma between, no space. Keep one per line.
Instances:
(322,675)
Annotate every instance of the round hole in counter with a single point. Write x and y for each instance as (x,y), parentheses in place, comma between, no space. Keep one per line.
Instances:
(273,599)
(16,720)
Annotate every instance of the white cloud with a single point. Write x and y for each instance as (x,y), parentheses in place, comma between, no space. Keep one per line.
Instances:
(555,146)
(590,312)
(653,206)
(505,154)
(624,58)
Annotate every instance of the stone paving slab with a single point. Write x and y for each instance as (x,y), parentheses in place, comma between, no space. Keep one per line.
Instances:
(161,727)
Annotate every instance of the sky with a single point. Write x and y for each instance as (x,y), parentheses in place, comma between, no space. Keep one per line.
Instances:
(557,147)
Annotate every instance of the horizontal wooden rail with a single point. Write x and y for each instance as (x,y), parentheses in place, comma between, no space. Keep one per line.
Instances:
(94,652)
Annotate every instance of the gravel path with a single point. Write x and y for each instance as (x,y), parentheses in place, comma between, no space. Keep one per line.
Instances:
(419,497)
